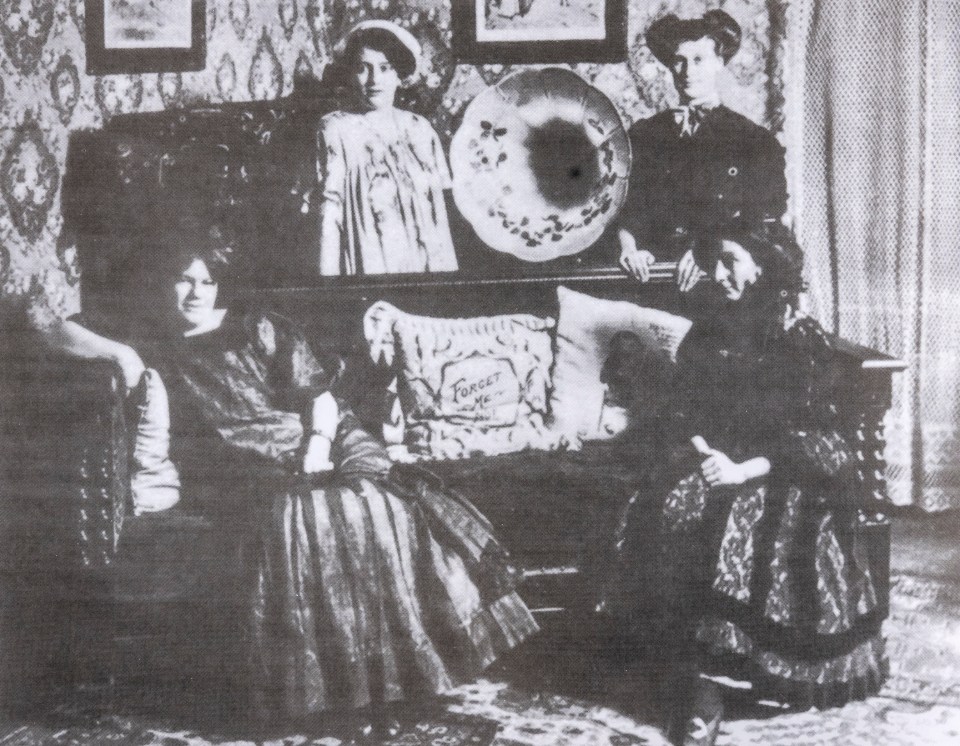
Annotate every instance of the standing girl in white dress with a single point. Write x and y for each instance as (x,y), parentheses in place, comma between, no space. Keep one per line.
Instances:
(383,170)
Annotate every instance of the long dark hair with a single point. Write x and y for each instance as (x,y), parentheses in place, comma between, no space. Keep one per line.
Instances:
(177,250)
(772,247)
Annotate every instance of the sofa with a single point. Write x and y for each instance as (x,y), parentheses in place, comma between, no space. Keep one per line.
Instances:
(124,580)
(130,589)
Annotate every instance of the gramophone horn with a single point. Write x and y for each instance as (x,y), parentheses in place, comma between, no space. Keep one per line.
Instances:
(540,164)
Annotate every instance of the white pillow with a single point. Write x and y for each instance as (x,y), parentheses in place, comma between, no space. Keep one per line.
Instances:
(584,330)
(466,387)
(154,483)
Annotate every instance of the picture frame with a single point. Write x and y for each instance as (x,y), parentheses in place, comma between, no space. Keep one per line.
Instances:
(137,36)
(508,32)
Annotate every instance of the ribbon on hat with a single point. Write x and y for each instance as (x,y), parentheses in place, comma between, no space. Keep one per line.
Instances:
(408,40)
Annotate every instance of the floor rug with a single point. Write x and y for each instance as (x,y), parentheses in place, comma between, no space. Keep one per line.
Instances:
(448,729)
(536,719)
(923,640)
(540,719)
(877,722)
(920,704)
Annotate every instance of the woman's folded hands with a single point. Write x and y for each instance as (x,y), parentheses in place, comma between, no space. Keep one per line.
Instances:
(719,470)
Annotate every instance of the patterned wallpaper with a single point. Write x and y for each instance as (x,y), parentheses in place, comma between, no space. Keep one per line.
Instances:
(255,49)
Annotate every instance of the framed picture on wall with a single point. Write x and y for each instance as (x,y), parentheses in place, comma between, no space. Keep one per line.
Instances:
(137,36)
(531,31)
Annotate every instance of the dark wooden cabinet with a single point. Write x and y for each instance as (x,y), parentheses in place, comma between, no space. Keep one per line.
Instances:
(146,180)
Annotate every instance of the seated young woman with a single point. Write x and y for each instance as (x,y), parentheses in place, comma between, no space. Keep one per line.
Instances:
(739,559)
(362,596)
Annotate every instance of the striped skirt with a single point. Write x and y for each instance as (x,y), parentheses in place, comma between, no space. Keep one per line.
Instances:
(367,592)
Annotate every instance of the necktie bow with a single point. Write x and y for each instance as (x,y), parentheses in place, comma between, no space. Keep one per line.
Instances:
(688,119)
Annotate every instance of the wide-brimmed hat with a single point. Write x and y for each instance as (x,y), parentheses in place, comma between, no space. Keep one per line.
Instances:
(665,34)
(406,42)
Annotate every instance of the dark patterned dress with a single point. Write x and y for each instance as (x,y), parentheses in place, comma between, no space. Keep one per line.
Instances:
(363,591)
(769,580)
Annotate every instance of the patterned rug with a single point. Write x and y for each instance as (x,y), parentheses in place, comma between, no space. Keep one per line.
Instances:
(877,722)
(920,704)
(537,719)
(923,641)
(544,720)
(453,730)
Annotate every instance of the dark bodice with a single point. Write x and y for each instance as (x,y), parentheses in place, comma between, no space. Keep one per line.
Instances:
(239,395)
(728,386)
(729,169)
(748,384)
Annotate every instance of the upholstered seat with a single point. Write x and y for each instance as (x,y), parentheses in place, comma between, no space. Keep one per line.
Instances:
(121,596)
(548,507)
(148,593)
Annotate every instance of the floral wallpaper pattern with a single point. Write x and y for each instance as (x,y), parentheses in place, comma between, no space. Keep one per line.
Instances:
(254,51)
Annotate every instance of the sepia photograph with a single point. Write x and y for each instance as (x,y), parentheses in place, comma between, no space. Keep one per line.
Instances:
(479,373)
(532,31)
(537,20)
(132,36)
(137,24)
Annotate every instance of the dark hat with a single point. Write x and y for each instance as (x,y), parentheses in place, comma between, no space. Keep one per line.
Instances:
(665,34)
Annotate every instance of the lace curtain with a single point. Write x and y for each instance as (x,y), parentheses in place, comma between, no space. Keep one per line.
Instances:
(873,126)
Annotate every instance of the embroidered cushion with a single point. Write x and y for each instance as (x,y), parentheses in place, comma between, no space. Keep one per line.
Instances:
(465,387)
(585,330)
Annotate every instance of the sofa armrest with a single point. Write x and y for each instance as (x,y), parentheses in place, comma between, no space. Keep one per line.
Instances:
(863,394)
(75,469)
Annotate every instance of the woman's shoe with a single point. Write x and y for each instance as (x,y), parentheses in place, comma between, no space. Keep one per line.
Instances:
(703,725)
(702,733)
(364,734)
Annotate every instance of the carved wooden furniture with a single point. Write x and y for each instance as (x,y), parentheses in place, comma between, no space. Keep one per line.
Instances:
(96,505)
(250,168)
(104,596)
(520,508)
(128,581)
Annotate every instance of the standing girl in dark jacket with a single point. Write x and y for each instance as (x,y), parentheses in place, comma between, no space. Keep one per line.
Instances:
(699,164)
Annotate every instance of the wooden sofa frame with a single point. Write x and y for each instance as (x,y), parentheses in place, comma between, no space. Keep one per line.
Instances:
(71,537)
(92,496)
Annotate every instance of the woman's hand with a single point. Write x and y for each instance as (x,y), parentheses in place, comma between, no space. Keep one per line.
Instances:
(131,366)
(635,261)
(325,418)
(719,470)
(72,338)
(317,456)
(688,273)
(325,415)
